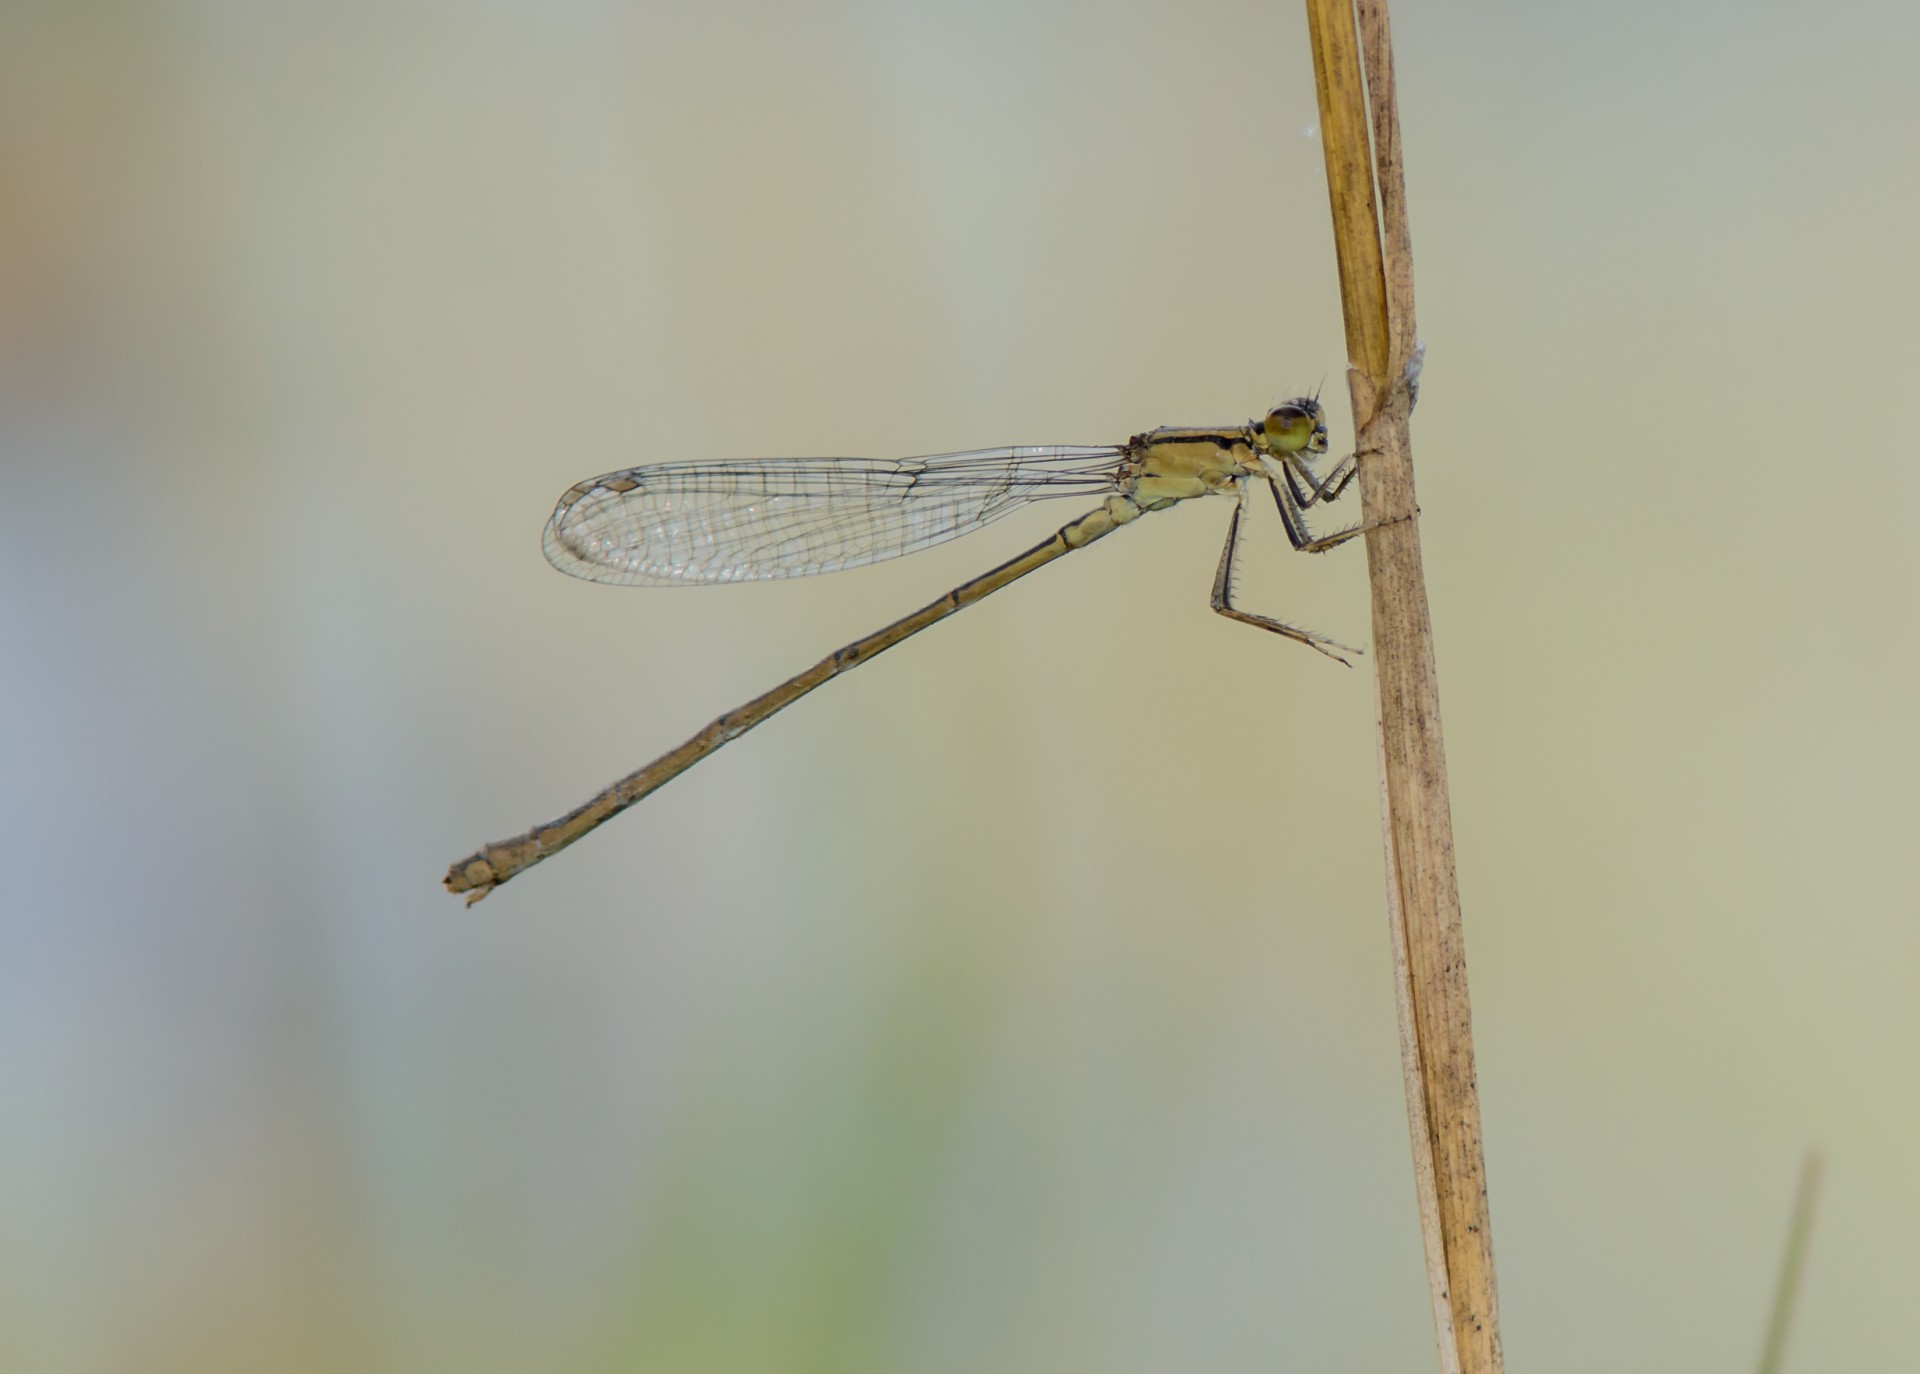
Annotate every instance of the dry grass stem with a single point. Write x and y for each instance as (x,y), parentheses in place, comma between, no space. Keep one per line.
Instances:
(1773,1351)
(1361,136)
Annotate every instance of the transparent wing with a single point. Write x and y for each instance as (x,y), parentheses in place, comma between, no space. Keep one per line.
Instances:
(789,517)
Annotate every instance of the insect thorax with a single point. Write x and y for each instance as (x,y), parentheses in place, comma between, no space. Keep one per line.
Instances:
(1179,464)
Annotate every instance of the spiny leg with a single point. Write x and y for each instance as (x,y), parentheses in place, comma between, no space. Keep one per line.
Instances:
(1339,537)
(1292,501)
(1223,592)
(1288,500)
(1318,489)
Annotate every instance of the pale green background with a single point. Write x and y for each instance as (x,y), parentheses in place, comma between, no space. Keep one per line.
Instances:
(1020,1003)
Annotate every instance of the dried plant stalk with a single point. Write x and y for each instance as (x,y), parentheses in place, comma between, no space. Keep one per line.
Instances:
(1361,137)
(1793,1264)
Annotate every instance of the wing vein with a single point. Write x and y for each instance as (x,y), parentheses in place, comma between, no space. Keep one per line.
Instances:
(749,519)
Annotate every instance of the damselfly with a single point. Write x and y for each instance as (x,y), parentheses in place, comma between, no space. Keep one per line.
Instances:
(679,524)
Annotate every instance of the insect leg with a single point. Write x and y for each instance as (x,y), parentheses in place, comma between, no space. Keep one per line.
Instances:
(1289,499)
(1223,587)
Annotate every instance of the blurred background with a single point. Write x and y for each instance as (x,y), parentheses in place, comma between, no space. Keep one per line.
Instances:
(1021,1002)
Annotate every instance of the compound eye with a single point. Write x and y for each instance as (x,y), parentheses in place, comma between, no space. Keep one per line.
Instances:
(1291,427)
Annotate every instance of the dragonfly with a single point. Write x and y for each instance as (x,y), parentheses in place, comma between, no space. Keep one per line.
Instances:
(700,523)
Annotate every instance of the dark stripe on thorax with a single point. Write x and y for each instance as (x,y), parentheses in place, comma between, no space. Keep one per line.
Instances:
(1219,438)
